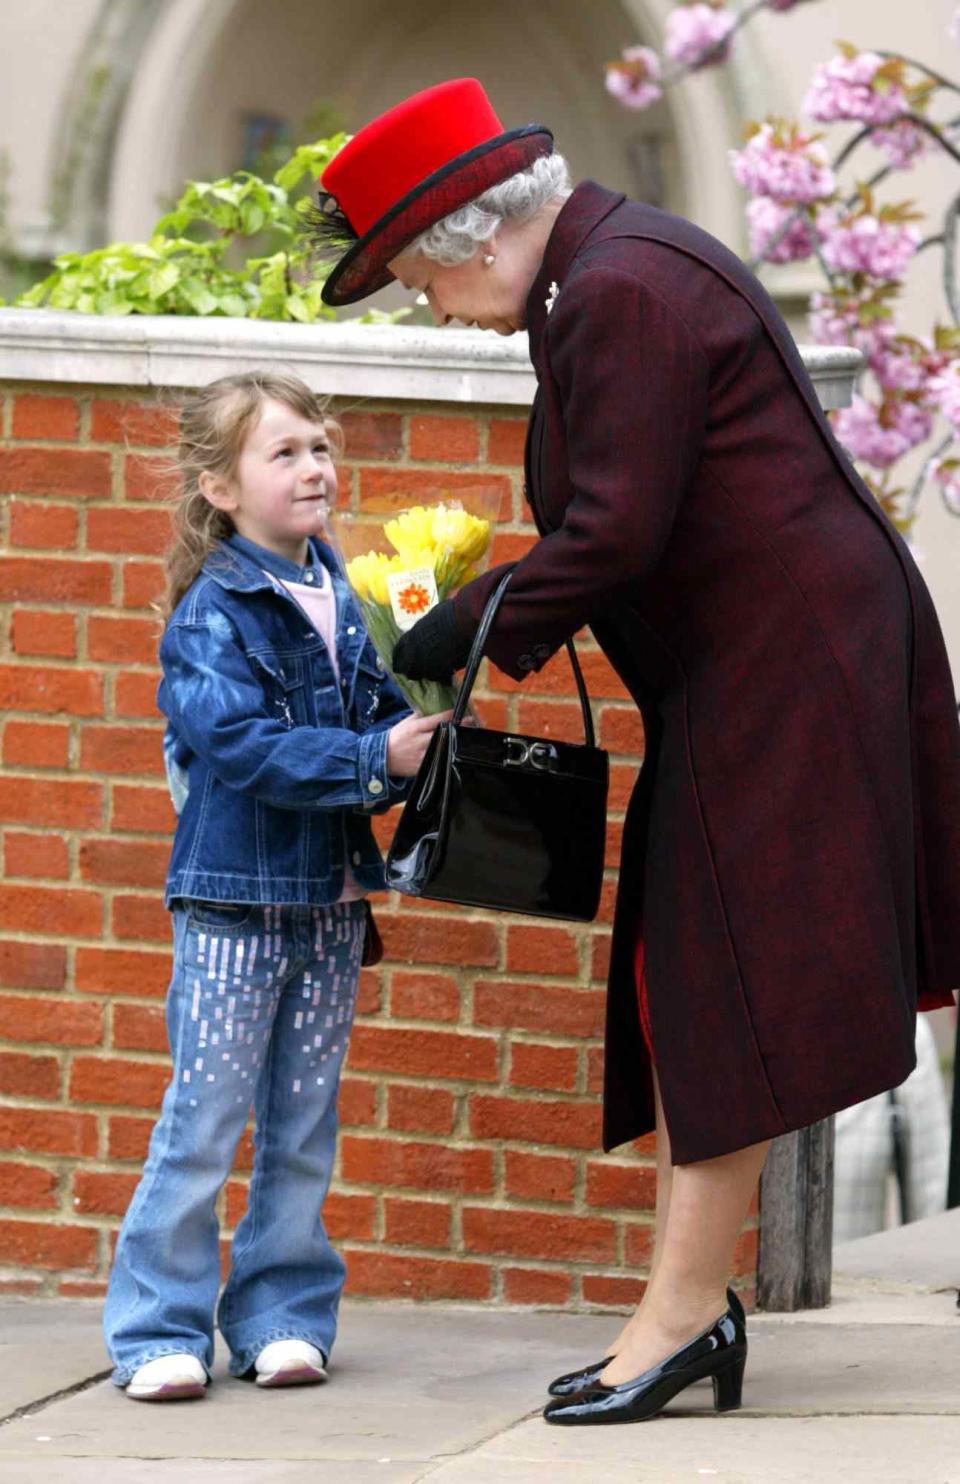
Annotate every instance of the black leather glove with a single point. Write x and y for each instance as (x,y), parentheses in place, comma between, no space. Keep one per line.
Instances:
(433,648)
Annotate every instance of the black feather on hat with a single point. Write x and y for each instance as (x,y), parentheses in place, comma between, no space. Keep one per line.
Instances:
(328,227)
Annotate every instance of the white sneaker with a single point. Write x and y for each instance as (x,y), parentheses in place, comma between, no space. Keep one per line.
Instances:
(169,1378)
(290,1363)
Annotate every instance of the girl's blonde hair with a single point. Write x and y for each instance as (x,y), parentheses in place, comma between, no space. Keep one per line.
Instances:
(214,424)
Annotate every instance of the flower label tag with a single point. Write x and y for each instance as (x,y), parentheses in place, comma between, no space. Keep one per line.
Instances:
(412,594)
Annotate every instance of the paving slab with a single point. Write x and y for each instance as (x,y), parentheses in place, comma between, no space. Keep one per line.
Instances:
(732,1449)
(924,1255)
(863,1391)
(201,1471)
(407,1384)
(47,1345)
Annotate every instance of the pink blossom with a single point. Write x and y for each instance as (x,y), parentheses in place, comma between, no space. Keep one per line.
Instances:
(635,80)
(944,390)
(881,435)
(787,169)
(899,369)
(838,321)
(908,365)
(867,244)
(946,473)
(765,218)
(698,35)
(910,418)
(904,143)
(783,4)
(847,88)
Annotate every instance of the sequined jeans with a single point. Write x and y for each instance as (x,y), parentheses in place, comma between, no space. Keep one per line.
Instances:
(259,1013)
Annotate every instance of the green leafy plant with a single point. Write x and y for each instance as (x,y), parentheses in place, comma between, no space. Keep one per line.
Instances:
(201,257)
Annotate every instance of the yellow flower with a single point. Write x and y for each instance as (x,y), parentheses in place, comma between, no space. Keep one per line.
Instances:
(411,535)
(368,575)
(357,574)
(460,533)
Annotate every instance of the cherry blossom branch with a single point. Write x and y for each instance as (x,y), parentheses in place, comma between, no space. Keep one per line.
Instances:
(719,48)
(950,258)
(937,77)
(934,131)
(879,176)
(920,483)
(861,137)
(800,210)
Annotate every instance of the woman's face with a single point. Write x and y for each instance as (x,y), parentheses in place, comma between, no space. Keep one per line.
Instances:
(492,296)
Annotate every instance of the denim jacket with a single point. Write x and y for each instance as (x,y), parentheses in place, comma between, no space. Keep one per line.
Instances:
(275,768)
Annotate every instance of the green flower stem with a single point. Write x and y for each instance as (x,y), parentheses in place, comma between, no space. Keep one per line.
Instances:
(426,696)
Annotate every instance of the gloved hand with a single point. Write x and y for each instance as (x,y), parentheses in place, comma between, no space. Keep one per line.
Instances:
(433,648)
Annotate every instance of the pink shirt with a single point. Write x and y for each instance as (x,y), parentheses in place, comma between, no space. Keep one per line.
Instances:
(319,603)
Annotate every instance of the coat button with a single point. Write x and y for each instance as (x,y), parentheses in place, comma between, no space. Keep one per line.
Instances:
(357,857)
(541,651)
(526,662)
(352,629)
(375,786)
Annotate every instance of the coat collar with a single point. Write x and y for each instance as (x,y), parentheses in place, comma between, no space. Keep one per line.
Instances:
(241,565)
(583,210)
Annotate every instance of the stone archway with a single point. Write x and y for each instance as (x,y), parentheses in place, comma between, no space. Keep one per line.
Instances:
(171,66)
(88,118)
(205,61)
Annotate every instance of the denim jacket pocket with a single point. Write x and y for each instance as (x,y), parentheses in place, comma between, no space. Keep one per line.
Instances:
(283,686)
(223,917)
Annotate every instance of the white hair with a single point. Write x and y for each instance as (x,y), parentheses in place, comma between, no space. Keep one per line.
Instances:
(456,237)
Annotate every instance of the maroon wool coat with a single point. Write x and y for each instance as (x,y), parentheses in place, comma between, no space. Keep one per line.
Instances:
(792,848)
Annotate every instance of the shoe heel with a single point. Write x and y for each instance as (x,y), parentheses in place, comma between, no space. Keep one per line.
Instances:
(728,1386)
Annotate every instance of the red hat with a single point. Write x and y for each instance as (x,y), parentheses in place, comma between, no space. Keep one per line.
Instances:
(408,169)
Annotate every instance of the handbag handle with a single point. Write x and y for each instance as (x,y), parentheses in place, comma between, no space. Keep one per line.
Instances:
(476,656)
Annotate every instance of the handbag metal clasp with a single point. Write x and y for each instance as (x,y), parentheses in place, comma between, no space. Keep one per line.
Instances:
(521,754)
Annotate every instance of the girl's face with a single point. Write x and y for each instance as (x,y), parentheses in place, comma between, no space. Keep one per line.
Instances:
(283,485)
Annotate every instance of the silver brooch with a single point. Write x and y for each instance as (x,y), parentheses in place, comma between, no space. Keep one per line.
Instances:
(551,298)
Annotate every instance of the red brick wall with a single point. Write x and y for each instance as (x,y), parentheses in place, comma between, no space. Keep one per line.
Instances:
(469,1164)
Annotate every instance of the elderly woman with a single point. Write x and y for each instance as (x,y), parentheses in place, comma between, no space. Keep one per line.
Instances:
(791,859)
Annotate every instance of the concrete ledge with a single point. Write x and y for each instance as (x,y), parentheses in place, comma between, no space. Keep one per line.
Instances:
(410,363)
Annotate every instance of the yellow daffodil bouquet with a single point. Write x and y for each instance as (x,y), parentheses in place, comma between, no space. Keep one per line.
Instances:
(402,566)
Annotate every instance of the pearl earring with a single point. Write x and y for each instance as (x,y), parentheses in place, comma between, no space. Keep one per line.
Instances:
(489,259)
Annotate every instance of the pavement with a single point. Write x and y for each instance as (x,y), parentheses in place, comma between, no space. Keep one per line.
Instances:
(865,1390)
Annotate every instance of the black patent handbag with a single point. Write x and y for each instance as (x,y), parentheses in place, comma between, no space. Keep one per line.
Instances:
(499,820)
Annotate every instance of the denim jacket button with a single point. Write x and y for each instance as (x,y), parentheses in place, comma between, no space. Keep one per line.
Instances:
(352,629)
(375,786)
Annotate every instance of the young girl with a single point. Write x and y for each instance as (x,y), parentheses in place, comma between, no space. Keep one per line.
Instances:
(284,735)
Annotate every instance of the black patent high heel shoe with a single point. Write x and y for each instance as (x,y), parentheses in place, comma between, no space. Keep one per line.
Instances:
(720,1352)
(575,1381)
